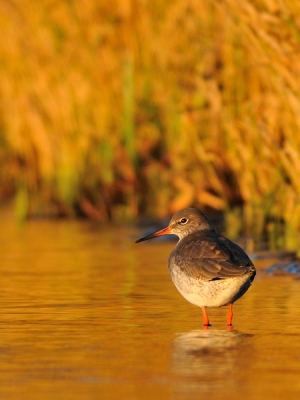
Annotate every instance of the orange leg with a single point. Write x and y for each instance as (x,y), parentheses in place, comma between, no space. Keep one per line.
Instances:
(229,316)
(205,317)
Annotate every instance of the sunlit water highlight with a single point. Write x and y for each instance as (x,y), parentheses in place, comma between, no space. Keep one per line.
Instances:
(88,314)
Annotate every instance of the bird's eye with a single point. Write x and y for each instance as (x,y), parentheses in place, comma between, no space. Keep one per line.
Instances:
(183,221)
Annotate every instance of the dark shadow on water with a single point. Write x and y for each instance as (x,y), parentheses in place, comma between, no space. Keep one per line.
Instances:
(284,267)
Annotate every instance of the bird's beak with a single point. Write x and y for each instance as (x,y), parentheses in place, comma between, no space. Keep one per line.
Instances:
(164,231)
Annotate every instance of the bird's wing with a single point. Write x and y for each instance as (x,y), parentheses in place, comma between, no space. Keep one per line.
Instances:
(237,251)
(212,258)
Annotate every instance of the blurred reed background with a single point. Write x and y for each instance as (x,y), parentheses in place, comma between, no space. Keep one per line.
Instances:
(114,109)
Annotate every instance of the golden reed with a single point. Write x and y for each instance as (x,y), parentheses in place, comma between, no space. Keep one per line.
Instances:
(111,109)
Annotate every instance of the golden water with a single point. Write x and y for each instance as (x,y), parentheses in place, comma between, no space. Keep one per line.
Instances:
(88,314)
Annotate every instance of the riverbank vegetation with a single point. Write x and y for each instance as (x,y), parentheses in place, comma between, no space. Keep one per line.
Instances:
(123,108)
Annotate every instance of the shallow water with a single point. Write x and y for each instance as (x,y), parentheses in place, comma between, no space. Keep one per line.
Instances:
(88,314)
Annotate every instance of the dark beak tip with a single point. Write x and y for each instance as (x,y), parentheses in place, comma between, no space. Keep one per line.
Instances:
(161,232)
(143,239)
(152,236)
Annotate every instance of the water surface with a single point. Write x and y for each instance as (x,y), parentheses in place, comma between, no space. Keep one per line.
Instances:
(88,314)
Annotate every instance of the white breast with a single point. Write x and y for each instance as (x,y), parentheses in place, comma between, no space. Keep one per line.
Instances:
(216,293)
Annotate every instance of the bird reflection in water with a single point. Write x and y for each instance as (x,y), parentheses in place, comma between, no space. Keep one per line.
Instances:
(203,360)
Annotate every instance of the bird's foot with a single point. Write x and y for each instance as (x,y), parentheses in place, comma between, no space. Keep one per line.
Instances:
(229,327)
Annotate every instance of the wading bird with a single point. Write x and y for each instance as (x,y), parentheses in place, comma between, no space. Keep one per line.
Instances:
(208,269)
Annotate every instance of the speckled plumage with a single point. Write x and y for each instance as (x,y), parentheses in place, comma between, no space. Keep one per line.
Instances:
(208,269)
